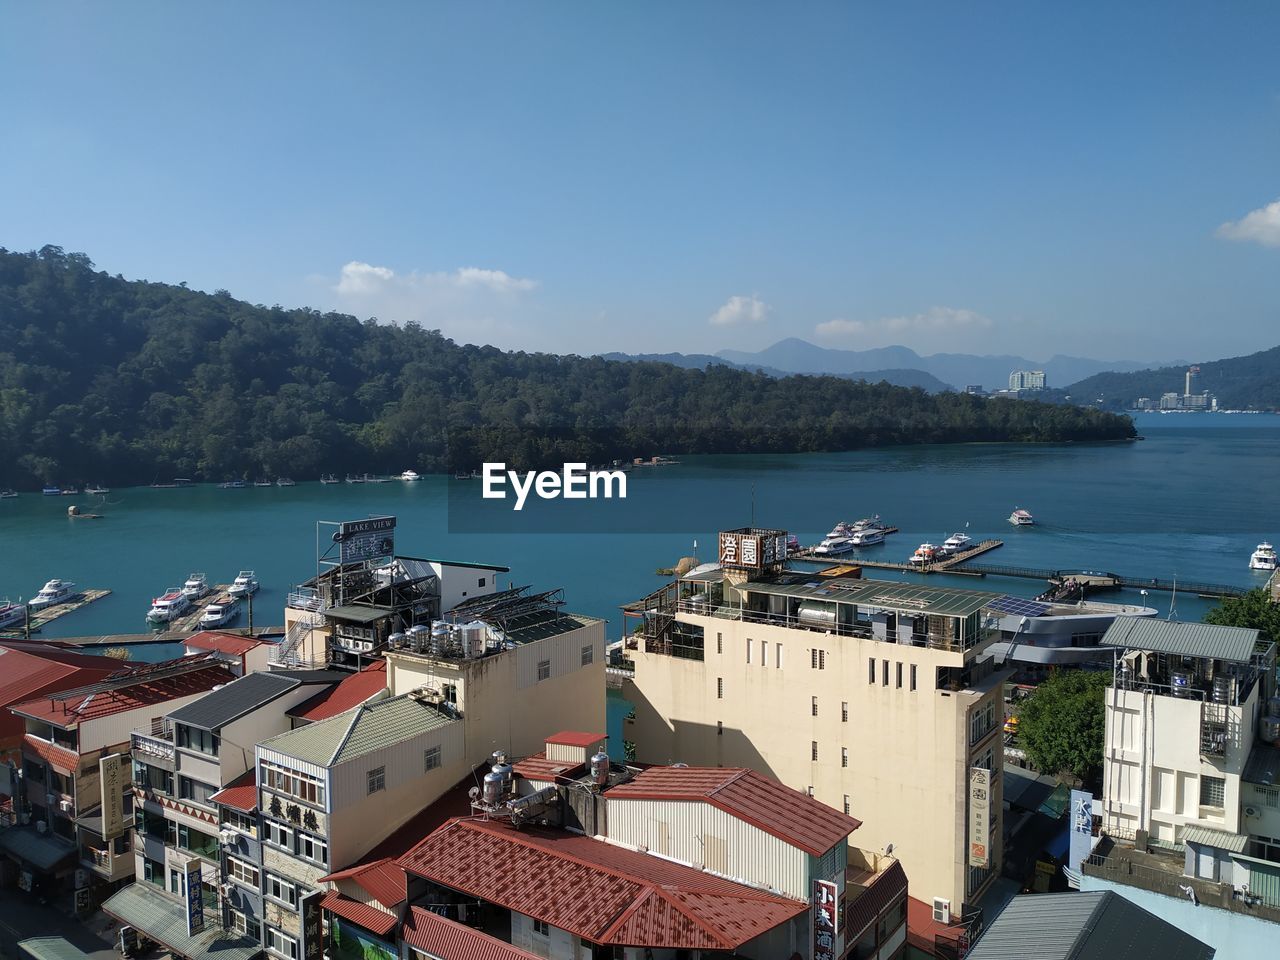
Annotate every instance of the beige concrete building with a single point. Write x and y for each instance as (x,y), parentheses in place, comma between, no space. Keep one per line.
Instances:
(871,696)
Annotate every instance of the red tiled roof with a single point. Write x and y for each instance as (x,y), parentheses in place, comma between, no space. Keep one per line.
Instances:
(383,880)
(599,891)
(361,914)
(787,814)
(124,695)
(60,758)
(923,930)
(28,671)
(240,794)
(575,738)
(441,937)
(350,692)
(231,643)
(884,890)
(538,767)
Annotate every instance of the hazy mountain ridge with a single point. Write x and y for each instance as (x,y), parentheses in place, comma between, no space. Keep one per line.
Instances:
(898,377)
(1250,382)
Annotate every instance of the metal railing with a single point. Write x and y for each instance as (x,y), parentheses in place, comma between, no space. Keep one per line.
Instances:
(303,600)
(146,746)
(1121,865)
(286,653)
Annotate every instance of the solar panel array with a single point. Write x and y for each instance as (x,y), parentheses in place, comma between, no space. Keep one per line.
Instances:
(1019,606)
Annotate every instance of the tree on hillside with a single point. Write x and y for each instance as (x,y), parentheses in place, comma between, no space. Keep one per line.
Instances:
(1254,610)
(1062,725)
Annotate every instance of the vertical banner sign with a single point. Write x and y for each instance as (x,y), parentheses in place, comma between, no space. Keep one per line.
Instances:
(312,925)
(111,783)
(1081,836)
(824,920)
(979,816)
(195,898)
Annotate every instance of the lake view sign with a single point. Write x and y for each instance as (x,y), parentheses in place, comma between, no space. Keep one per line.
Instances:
(371,539)
(573,482)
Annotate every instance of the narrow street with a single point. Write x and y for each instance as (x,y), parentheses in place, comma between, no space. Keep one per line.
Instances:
(22,917)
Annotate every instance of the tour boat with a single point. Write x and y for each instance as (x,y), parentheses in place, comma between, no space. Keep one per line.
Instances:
(8,494)
(244,584)
(1264,558)
(1021,518)
(329,478)
(68,491)
(925,553)
(410,475)
(351,479)
(55,591)
(197,586)
(793,543)
(262,483)
(95,490)
(11,613)
(841,530)
(219,613)
(285,482)
(49,490)
(867,536)
(868,523)
(833,546)
(231,485)
(956,542)
(168,607)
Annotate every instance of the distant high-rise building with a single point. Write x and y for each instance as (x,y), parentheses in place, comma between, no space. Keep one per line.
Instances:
(1170,401)
(1193,381)
(975,389)
(1027,380)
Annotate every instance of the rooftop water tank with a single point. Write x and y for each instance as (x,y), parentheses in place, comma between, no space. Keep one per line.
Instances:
(493,785)
(600,769)
(397,640)
(817,613)
(474,638)
(1269,730)
(1273,706)
(417,636)
(1180,680)
(1223,688)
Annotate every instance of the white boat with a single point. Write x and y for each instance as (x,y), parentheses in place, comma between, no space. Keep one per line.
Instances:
(410,475)
(219,613)
(95,490)
(244,584)
(12,613)
(840,530)
(956,542)
(197,586)
(262,483)
(868,523)
(867,536)
(329,478)
(55,591)
(8,494)
(925,553)
(833,546)
(1021,518)
(285,482)
(1263,558)
(168,607)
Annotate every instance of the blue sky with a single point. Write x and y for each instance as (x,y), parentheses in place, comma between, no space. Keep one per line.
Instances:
(1033,178)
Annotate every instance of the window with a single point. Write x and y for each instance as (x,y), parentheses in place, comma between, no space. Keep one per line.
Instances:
(377,778)
(777,655)
(719,728)
(153,872)
(813,706)
(588,655)
(981,722)
(277,835)
(818,659)
(193,738)
(243,925)
(1269,795)
(764,653)
(281,944)
(544,670)
(312,848)
(748,651)
(430,758)
(242,872)
(846,803)
(300,785)
(244,822)
(719,688)
(813,750)
(844,712)
(1213,792)
(871,669)
(898,676)
(175,881)
(884,673)
(913,676)
(194,790)
(809,789)
(844,756)
(719,643)
(282,890)
(541,929)
(480,582)
(197,842)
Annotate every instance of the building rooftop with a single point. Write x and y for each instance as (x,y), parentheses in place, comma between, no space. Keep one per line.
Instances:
(543,624)
(219,707)
(1221,839)
(538,767)
(790,815)
(495,567)
(1189,639)
(240,794)
(439,936)
(352,691)
(1083,926)
(358,731)
(576,738)
(599,891)
(29,670)
(230,643)
(359,613)
(361,914)
(1263,765)
(940,601)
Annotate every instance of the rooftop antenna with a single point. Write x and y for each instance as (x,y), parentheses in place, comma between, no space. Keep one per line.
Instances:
(1173,600)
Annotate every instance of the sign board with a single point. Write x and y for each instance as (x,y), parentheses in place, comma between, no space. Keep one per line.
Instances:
(111,783)
(824,920)
(979,817)
(195,897)
(750,549)
(1081,827)
(312,925)
(372,539)
(82,900)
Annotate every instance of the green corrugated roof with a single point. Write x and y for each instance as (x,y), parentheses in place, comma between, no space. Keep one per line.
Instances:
(1207,640)
(356,732)
(1207,837)
(164,920)
(940,601)
(51,948)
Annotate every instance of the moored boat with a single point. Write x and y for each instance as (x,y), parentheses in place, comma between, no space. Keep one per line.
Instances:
(231,485)
(11,613)
(95,490)
(329,478)
(219,613)
(244,584)
(1263,558)
(8,494)
(833,546)
(55,591)
(197,586)
(285,482)
(263,483)
(50,490)
(167,607)
(410,475)
(867,537)
(956,542)
(925,553)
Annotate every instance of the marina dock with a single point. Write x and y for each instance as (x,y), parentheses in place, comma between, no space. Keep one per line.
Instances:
(189,623)
(945,565)
(39,618)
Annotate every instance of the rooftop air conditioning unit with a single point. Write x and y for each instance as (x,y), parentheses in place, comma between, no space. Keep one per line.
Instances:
(941,910)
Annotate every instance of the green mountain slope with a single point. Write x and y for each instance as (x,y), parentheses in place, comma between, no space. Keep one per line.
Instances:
(1240,383)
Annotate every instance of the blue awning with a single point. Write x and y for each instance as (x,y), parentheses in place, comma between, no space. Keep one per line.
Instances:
(1058,846)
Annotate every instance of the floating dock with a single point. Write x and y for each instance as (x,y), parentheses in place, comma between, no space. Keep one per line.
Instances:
(947,564)
(189,623)
(45,615)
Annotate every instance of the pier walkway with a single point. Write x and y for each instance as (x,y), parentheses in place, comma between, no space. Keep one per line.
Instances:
(38,618)
(946,564)
(1105,580)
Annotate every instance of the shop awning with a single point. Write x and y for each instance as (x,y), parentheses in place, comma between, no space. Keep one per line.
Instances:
(43,851)
(158,918)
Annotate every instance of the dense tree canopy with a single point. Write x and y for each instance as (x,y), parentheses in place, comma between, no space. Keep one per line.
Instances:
(1254,610)
(115,381)
(1063,724)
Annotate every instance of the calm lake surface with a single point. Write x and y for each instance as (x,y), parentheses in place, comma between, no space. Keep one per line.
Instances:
(1191,500)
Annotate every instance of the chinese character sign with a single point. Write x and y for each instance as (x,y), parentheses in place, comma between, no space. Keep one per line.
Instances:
(312,925)
(824,920)
(111,781)
(195,897)
(1081,836)
(979,816)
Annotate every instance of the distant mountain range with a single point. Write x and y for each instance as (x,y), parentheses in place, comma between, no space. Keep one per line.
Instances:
(900,366)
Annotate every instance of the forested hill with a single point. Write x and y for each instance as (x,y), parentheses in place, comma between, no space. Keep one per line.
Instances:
(1240,383)
(114,381)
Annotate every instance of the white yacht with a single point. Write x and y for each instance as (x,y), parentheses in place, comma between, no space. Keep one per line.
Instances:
(410,475)
(11,613)
(195,587)
(956,542)
(1263,558)
(866,537)
(833,546)
(867,523)
(168,607)
(55,591)
(1021,518)
(925,553)
(219,613)
(840,530)
(244,584)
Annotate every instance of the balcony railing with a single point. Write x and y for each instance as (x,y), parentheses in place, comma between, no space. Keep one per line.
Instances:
(145,746)
(304,600)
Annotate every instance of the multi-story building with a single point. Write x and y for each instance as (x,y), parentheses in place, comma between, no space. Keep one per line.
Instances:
(77,803)
(330,790)
(1190,807)
(30,670)
(867,695)
(1026,380)
(180,772)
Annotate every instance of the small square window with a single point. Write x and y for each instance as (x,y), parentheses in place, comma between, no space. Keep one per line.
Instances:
(377,779)
(544,670)
(846,803)
(481,582)
(1213,792)
(813,705)
(588,655)
(430,758)
(813,750)
(541,928)
(844,712)
(719,688)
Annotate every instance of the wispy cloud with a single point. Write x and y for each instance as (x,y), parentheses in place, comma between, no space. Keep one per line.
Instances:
(935,320)
(1258,226)
(739,311)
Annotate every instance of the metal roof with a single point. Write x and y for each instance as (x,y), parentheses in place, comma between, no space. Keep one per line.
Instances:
(1099,925)
(439,936)
(362,914)
(1263,765)
(539,626)
(939,601)
(42,850)
(165,921)
(368,727)
(463,563)
(359,614)
(51,948)
(1206,837)
(219,707)
(1207,640)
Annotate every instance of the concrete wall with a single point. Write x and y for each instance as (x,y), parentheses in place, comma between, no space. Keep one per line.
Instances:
(463,583)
